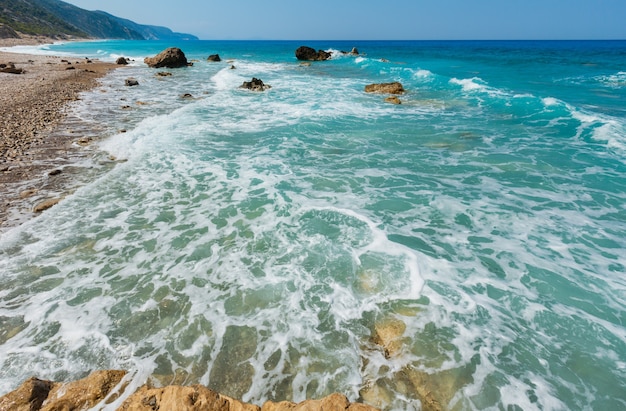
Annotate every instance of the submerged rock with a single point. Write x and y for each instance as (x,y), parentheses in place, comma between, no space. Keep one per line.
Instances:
(388,88)
(172,57)
(388,334)
(393,100)
(308,53)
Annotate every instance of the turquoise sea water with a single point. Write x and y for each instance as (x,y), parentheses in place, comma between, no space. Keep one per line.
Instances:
(267,244)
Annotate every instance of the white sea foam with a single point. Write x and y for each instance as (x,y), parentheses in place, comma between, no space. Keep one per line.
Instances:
(470,84)
(302,221)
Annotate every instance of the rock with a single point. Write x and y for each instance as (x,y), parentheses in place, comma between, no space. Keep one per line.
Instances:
(121,61)
(173,397)
(46,204)
(186,96)
(308,53)
(35,394)
(130,82)
(232,67)
(353,52)
(388,88)
(163,74)
(388,334)
(28,396)
(27,193)
(393,100)
(255,85)
(10,68)
(83,394)
(55,172)
(214,57)
(84,141)
(172,57)
(333,402)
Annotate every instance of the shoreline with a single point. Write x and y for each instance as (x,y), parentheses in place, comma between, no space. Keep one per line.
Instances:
(37,153)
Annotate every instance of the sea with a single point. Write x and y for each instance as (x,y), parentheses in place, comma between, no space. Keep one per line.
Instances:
(465,249)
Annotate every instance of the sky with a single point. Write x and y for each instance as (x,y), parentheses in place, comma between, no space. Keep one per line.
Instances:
(377,20)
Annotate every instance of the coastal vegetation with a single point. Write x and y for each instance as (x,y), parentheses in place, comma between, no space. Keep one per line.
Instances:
(58,19)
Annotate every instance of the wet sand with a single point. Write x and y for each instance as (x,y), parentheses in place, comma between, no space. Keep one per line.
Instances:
(36,154)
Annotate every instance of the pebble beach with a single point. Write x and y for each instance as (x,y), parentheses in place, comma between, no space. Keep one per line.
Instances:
(32,106)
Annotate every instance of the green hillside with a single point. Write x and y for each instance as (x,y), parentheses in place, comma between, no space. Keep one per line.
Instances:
(57,18)
(31,18)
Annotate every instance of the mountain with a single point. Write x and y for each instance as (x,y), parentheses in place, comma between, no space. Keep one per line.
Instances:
(60,19)
(150,32)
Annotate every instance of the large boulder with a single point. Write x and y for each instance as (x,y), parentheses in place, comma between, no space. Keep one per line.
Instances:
(172,57)
(214,58)
(385,88)
(28,396)
(309,54)
(35,394)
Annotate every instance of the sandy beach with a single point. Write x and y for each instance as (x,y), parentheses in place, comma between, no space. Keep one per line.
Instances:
(33,156)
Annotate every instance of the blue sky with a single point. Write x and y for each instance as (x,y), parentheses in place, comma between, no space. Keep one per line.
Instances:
(380,20)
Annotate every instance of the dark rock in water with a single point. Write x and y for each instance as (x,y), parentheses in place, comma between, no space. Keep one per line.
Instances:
(255,85)
(353,52)
(308,53)
(186,96)
(163,74)
(232,67)
(214,57)
(130,82)
(121,61)
(172,57)
(388,88)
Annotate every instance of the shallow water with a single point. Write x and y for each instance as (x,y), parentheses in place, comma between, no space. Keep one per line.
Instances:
(263,243)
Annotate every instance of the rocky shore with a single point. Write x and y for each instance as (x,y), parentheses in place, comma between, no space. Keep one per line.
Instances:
(32,104)
(106,389)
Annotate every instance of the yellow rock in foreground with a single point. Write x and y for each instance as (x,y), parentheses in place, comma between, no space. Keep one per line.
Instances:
(104,387)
